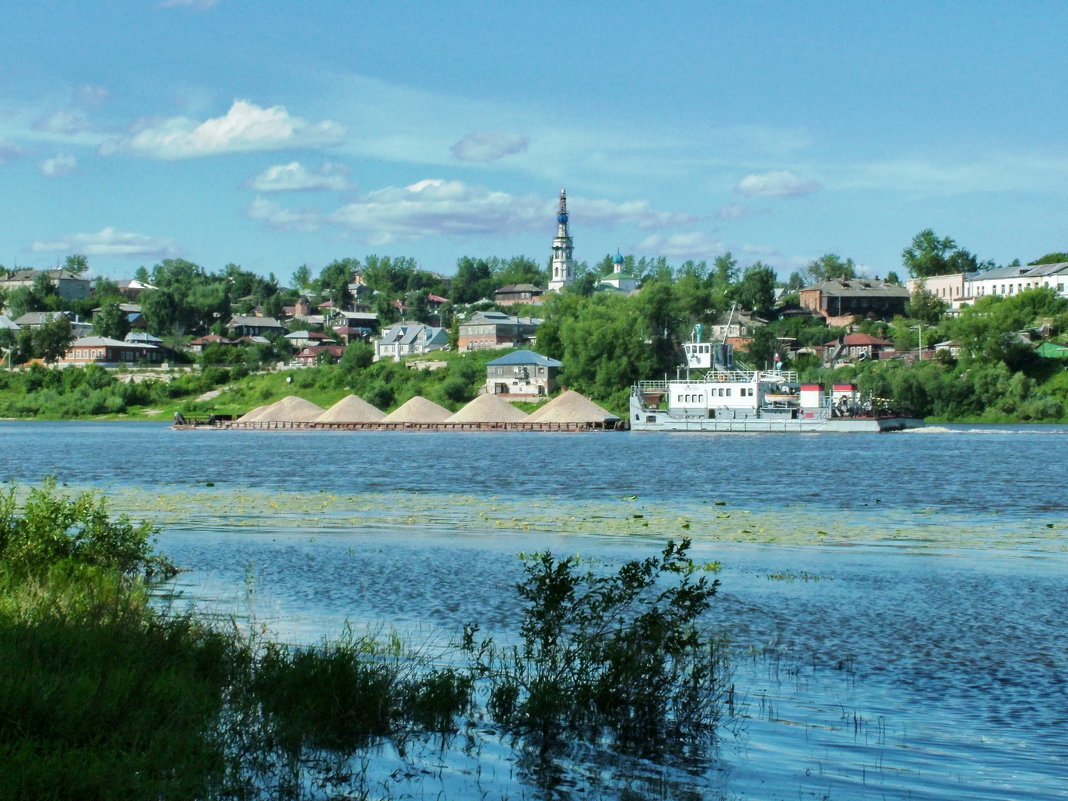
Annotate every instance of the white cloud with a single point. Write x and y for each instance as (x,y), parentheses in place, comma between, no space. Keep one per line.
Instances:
(109,242)
(59,165)
(436,207)
(484,146)
(295,177)
(631,212)
(777,183)
(282,219)
(246,127)
(692,245)
(67,122)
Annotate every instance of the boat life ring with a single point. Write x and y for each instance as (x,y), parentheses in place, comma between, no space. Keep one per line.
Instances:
(721,377)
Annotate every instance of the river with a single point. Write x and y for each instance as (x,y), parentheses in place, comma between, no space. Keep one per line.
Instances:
(896,603)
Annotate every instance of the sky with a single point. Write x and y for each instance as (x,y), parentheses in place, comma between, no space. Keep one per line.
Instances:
(271,134)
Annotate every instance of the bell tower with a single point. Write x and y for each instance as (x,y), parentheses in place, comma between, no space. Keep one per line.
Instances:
(562,268)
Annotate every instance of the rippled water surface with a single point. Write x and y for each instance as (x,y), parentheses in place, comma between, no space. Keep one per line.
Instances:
(897,603)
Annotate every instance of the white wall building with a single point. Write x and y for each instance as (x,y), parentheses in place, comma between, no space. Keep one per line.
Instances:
(562,267)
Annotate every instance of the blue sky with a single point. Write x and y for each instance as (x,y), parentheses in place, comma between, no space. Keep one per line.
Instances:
(272,134)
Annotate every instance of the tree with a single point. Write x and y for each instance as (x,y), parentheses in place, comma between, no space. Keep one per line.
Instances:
(828,267)
(302,278)
(111,321)
(1051,258)
(723,278)
(357,356)
(757,288)
(162,311)
(76,263)
(51,340)
(334,280)
(925,306)
(473,280)
(928,255)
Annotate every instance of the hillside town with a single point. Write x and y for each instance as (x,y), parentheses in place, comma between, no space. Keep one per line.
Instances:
(825,317)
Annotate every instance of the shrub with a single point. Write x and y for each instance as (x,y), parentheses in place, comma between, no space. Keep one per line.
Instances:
(53,527)
(344,694)
(617,655)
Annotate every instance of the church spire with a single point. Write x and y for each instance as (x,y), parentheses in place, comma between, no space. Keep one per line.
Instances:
(562,267)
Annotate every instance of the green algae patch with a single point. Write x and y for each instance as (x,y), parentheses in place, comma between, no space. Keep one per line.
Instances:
(229,507)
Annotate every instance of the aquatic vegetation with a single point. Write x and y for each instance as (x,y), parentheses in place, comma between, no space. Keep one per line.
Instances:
(608,655)
(344,693)
(787,575)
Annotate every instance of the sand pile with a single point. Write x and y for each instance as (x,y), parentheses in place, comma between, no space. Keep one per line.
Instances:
(570,407)
(418,410)
(351,409)
(253,416)
(488,409)
(290,409)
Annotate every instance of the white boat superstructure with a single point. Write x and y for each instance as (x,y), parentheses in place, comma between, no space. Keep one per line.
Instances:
(718,394)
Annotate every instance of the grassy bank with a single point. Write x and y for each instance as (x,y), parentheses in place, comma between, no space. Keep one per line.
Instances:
(98,394)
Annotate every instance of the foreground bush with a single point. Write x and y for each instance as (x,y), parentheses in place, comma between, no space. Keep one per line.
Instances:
(101,698)
(53,527)
(615,655)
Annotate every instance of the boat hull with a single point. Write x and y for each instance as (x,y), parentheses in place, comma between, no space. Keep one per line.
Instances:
(840,425)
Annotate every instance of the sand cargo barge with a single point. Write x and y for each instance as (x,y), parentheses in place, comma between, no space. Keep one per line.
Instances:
(570,411)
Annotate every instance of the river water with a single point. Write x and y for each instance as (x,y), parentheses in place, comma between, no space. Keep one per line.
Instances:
(896,603)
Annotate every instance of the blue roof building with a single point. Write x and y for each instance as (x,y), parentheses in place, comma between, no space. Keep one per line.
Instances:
(522,374)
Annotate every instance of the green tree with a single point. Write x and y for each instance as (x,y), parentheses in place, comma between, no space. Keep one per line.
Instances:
(925,306)
(111,321)
(1051,258)
(357,355)
(334,280)
(51,340)
(302,278)
(473,280)
(928,255)
(828,267)
(76,263)
(723,278)
(162,312)
(757,288)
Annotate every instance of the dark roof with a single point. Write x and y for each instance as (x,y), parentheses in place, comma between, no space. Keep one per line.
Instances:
(855,287)
(519,288)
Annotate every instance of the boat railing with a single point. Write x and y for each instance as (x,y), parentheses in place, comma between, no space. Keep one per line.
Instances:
(722,377)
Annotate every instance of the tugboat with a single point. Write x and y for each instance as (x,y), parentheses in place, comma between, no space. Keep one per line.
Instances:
(721,394)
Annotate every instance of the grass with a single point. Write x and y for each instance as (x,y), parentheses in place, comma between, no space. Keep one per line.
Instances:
(104,696)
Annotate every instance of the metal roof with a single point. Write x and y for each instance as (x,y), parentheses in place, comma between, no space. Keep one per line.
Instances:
(524,357)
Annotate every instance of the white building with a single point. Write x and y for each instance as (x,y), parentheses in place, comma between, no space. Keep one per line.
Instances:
(1014,280)
(562,267)
(964,288)
(619,279)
